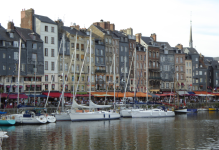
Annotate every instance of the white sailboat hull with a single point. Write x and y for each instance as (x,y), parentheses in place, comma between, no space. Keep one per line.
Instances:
(51,119)
(30,120)
(182,111)
(126,113)
(63,117)
(91,116)
(152,113)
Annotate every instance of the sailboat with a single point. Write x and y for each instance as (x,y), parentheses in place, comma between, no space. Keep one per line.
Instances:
(27,117)
(152,113)
(126,112)
(93,115)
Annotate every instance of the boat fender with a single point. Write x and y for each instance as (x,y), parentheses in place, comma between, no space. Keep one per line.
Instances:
(13,117)
(3,118)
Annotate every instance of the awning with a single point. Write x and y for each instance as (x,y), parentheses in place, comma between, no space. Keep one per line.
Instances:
(52,94)
(38,85)
(8,86)
(182,92)
(182,84)
(14,86)
(161,94)
(153,95)
(14,96)
(4,94)
(33,85)
(141,94)
(20,86)
(37,95)
(27,85)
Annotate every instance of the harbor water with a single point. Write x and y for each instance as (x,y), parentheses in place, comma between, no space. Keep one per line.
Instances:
(187,131)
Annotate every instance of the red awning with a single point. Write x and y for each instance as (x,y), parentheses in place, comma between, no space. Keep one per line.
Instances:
(14,96)
(178,84)
(38,85)
(68,95)
(52,94)
(20,86)
(182,84)
(33,85)
(4,94)
(161,94)
(14,86)
(27,85)
(8,86)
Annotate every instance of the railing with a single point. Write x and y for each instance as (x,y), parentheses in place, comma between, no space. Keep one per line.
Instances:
(100,71)
(151,77)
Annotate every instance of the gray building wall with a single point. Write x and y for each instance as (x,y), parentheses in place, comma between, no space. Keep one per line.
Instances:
(100,46)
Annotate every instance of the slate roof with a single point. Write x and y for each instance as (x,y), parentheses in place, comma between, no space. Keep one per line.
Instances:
(44,19)
(191,50)
(73,31)
(25,34)
(60,37)
(147,40)
(4,36)
(167,45)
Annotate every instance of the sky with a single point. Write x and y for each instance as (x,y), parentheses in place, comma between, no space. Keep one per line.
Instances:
(169,19)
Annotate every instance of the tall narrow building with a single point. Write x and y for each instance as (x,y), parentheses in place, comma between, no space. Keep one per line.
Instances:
(190,39)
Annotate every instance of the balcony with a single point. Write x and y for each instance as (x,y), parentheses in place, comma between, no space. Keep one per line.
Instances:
(156,78)
(100,71)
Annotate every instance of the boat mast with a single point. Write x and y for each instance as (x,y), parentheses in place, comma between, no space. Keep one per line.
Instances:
(90,69)
(74,91)
(63,77)
(134,76)
(124,79)
(146,72)
(35,80)
(18,84)
(114,70)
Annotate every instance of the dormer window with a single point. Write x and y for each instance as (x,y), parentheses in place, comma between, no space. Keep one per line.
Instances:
(23,45)
(200,66)
(11,35)
(34,37)
(34,45)
(176,51)
(165,51)
(88,33)
(108,32)
(3,43)
(15,44)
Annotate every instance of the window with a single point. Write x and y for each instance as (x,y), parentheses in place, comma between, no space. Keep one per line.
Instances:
(46,77)
(196,65)
(52,53)
(117,50)
(72,45)
(46,28)
(181,60)
(196,73)
(109,41)
(46,65)
(166,76)
(162,85)
(16,56)
(97,51)
(201,80)
(4,67)
(153,54)
(177,69)
(15,43)
(150,54)
(11,35)
(46,39)
(187,71)
(165,51)
(121,58)
(186,64)
(97,59)
(101,52)
(200,72)
(4,55)
(34,45)
(181,68)
(216,82)
(196,59)
(52,29)
(101,60)
(167,85)
(177,59)
(181,76)
(106,40)
(126,49)
(60,66)
(121,48)
(77,68)
(190,71)
(52,65)
(52,40)
(46,51)
(23,67)
(34,57)
(66,67)
(53,78)
(106,68)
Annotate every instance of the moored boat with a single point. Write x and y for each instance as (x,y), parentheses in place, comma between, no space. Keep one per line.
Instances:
(182,110)
(152,113)
(7,120)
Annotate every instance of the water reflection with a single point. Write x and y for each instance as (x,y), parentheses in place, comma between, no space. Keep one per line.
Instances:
(193,131)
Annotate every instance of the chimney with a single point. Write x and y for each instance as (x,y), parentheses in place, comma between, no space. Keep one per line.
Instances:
(112,27)
(60,24)
(154,36)
(138,38)
(10,26)
(179,46)
(75,26)
(27,18)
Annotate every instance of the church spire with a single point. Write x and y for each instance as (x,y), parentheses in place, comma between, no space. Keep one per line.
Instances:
(190,39)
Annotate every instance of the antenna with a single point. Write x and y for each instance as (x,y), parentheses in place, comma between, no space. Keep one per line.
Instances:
(191,17)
